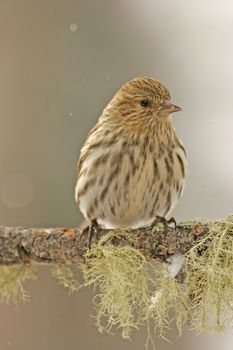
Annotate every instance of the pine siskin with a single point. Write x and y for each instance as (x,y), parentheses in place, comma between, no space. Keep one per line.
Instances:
(132,166)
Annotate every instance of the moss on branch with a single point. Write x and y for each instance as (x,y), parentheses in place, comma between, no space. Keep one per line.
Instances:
(129,272)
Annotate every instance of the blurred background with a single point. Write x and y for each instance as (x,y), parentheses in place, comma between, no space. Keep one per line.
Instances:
(60,63)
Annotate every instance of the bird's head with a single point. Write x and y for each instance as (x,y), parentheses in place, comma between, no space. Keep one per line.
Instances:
(143,99)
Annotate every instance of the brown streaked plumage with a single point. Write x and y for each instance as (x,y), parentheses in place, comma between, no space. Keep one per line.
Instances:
(132,166)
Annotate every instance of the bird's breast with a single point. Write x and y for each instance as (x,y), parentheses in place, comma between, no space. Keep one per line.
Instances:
(128,184)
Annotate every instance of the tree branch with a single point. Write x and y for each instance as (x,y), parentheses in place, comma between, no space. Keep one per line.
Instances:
(20,245)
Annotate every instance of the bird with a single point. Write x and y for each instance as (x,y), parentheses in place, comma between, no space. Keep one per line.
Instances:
(133,166)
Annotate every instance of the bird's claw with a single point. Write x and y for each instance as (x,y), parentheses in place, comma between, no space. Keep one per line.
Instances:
(172,220)
(164,221)
(91,230)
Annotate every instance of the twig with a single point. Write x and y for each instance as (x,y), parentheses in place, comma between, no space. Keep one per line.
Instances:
(20,245)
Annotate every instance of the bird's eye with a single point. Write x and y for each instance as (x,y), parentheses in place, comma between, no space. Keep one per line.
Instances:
(145,103)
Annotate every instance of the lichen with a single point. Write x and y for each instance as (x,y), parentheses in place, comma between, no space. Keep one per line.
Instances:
(129,292)
(12,279)
(120,280)
(168,303)
(65,277)
(209,269)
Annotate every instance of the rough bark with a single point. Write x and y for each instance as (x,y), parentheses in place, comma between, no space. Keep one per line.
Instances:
(21,245)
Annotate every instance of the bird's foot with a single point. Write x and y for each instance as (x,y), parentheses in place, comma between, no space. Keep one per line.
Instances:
(164,221)
(91,231)
(171,221)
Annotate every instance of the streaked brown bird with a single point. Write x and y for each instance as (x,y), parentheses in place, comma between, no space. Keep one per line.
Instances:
(132,166)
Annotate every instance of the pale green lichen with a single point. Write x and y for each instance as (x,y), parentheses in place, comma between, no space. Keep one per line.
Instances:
(120,280)
(12,279)
(169,296)
(209,268)
(129,294)
(65,277)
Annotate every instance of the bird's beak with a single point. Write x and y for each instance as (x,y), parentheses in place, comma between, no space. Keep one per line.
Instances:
(167,108)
